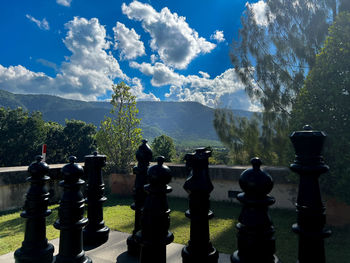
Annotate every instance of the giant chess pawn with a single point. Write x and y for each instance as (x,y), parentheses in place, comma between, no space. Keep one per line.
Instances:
(143,156)
(155,234)
(35,247)
(311,216)
(71,215)
(95,233)
(199,187)
(255,237)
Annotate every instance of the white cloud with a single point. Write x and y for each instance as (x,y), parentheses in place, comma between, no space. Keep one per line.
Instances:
(90,70)
(218,36)
(47,63)
(176,43)
(260,11)
(87,74)
(64,2)
(153,58)
(43,24)
(18,79)
(204,74)
(161,74)
(137,90)
(128,42)
(225,89)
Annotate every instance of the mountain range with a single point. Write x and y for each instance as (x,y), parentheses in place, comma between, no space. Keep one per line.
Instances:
(183,121)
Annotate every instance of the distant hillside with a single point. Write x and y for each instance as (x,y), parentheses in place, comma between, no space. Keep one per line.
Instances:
(183,121)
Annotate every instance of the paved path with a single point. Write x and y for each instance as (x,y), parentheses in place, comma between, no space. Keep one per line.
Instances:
(114,251)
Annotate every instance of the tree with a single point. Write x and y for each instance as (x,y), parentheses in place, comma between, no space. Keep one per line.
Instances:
(79,138)
(75,138)
(324,103)
(275,50)
(163,145)
(120,136)
(274,54)
(21,134)
(55,141)
(244,138)
(239,135)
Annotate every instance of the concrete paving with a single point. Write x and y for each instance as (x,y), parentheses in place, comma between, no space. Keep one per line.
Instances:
(115,251)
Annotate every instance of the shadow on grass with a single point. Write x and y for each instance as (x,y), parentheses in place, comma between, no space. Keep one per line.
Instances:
(124,227)
(337,246)
(17,225)
(179,222)
(225,241)
(12,227)
(223,237)
(113,200)
(222,225)
(7,212)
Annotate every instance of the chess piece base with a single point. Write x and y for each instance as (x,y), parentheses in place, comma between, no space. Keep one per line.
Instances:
(188,257)
(81,258)
(34,255)
(235,259)
(134,247)
(95,238)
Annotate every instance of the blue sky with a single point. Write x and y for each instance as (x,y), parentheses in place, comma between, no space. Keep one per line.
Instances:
(165,50)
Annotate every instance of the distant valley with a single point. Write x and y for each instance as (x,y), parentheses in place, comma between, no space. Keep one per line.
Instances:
(185,122)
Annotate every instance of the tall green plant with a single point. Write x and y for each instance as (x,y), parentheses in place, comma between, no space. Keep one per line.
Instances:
(79,138)
(324,103)
(163,145)
(246,138)
(120,135)
(239,135)
(22,134)
(276,48)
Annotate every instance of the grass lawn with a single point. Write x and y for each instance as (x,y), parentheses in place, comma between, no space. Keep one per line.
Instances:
(119,216)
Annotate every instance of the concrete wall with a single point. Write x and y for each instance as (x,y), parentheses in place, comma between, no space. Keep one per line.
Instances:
(225,179)
(13,185)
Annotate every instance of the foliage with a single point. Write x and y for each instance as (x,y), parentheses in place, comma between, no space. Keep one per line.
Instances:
(324,103)
(24,133)
(273,56)
(120,136)
(75,138)
(239,135)
(219,156)
(21,136)
(55,141)
(245,139)
(79,138)
(163,146)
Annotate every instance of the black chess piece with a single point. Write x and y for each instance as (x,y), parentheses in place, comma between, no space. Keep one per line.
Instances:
(255,237)
(155,235)
(199,187)
(95,233)
(143,156)
(35,247)
(71,215)
(311,215)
